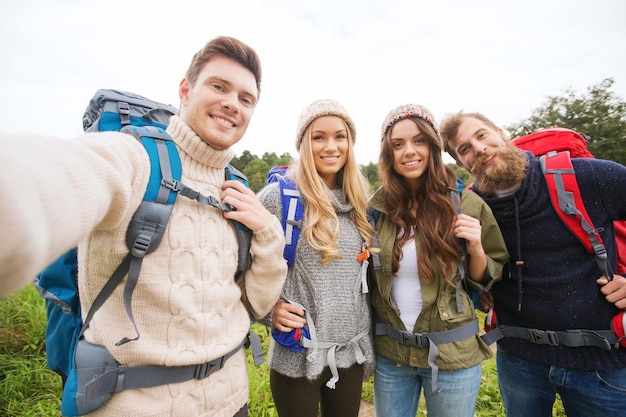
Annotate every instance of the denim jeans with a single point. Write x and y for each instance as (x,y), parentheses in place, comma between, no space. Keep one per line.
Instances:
(529,389)
(397,390)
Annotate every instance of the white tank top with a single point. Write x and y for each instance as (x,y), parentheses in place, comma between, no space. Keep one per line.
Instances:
(406,287)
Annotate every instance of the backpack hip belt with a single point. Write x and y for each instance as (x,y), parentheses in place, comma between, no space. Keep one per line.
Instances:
(100,375)
(603,339)
(333,347)
(428,340)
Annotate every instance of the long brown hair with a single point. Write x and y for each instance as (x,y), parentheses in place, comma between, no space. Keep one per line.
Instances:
(434,214)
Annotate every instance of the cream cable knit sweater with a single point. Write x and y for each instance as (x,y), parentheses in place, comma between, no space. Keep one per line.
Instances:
(186,304)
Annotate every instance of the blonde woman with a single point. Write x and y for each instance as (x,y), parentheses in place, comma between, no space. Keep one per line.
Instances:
(325,292)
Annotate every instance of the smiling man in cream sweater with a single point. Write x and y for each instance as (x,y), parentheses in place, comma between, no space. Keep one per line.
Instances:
(186,305)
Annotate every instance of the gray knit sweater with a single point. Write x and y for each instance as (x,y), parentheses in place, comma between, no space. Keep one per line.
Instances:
(331,293)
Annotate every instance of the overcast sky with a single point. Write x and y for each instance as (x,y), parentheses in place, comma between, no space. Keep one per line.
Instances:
(502,58)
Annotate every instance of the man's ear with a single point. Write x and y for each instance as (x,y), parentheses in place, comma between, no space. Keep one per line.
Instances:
(460,165)
(503,134)
(183,91)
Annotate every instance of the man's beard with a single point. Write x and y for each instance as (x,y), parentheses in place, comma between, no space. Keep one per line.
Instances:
(506,171)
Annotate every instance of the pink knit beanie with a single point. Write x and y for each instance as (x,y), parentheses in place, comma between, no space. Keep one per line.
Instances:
(405,111)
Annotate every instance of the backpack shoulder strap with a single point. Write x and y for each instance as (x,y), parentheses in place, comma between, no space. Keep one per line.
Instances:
(148,224)
(292,209)
(457,196)
(567,201)
(244,239)
(244,234)
(372,217)
(293,213)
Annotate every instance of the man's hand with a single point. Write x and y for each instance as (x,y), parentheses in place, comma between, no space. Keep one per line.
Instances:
(249,209)
(614,290)
(485,301)
(287,316)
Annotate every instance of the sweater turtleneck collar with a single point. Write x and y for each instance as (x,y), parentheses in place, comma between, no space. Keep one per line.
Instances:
(194,146)
(339,199)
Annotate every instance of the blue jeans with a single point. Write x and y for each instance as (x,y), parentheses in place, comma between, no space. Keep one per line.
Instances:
(397,390)
(529,389)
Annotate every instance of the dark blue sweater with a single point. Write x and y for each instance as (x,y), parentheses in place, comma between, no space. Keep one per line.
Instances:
(558,289)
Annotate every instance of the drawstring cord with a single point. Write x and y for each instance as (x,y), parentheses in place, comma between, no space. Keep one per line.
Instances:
(519,262)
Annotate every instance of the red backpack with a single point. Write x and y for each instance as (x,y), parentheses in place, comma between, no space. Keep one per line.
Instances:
(555,147)
(559,140)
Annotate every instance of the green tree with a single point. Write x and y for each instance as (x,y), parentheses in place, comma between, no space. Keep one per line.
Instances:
(272,160)
(256,171)
(240,162)
(597,113)
(462,174)
(256,168)
(371,173)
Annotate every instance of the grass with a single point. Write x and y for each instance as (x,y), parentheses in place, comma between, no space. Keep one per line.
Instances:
(28,388)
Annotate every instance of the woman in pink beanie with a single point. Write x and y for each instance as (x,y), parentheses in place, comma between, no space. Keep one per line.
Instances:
(429,234)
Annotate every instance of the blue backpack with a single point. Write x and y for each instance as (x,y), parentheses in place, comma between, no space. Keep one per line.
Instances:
(293,210)
(89,373)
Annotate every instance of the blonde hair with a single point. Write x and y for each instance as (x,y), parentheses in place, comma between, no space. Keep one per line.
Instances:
(321,223)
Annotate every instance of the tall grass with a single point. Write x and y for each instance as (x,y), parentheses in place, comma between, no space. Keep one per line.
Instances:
(28,388)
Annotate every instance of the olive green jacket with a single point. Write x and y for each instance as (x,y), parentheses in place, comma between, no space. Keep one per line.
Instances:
(439,308)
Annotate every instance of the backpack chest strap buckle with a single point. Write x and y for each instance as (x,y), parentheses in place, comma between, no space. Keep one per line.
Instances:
(405,338)
(543,337)
(413,339)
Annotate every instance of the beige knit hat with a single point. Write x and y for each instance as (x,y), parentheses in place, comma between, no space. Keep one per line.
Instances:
(321,108)
(405,111)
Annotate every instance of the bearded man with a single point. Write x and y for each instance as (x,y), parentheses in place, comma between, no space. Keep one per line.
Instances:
(554,288)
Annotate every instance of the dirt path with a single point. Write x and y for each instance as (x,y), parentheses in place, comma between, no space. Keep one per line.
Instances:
(367,410)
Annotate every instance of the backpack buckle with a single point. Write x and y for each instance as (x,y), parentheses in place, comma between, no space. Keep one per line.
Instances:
(172,185)
(123,109)
(543,337)
(414,339)
(203,370)
(600,250)
(141,245)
